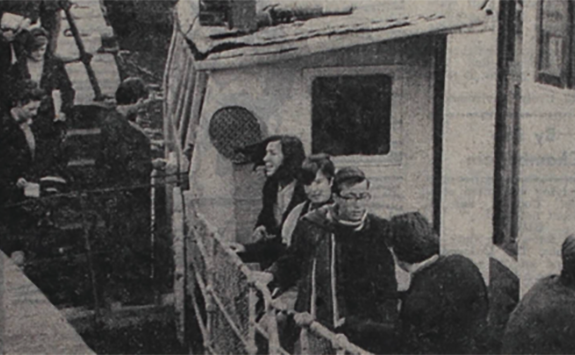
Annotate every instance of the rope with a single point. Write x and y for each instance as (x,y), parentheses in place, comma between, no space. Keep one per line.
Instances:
(78,193)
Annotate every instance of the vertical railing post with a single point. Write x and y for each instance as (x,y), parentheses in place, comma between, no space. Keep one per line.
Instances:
(252,301)
(304,341)
(154,177)
(88,246)
(85,57)
(272,326)
(179,263)
(339,351)
(210,303)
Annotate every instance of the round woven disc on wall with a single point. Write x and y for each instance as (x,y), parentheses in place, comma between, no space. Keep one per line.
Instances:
(232,128)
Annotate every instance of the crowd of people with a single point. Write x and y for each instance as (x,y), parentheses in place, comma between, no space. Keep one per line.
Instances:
(35,97)
(327,257)
(36,104)
(324,254)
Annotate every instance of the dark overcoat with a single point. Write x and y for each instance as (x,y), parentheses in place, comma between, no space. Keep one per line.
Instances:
(544,320)
(267,251)
(16,160)
(360,265)
(445,309)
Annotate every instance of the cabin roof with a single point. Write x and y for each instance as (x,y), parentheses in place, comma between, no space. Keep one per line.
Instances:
(369,21)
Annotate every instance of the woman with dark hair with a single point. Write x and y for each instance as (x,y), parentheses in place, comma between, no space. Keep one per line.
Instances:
(316,174)
(48,71)
(282,157)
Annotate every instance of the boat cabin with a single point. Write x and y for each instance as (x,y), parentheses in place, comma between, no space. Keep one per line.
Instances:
(460,110)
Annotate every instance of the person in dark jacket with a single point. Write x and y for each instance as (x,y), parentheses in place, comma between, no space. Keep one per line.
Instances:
(316,175)
(444,311)
(14,27)
(126,154)
(18,153)
(544,320)
(50,74)
(125,166)
(341,262)
(17,142)
(282,157)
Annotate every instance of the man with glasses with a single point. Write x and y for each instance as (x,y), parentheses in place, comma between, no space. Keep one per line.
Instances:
(345,272)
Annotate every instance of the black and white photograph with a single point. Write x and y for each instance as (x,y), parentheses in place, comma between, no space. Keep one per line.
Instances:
(330,177)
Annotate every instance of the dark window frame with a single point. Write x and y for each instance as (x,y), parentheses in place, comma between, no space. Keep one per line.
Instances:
(507,129)
(387,127)
(566,79)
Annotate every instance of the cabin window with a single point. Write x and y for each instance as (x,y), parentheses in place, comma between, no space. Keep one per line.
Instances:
(556,43)
(351,114)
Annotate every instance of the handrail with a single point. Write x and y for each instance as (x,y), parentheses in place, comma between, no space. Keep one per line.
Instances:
(85,57)
(337,340)
(215,303)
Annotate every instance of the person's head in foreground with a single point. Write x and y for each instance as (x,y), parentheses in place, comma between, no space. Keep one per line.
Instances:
(351,194)
(316,174)
(414,240)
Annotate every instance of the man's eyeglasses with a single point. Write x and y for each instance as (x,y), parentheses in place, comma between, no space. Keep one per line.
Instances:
(352,197)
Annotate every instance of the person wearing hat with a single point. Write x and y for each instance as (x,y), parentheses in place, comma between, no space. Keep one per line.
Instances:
(544,321)
(444,311)
(50,74)
(345,272)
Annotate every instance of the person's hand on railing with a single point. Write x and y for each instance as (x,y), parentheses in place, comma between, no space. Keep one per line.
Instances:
(262,277)
(236,247)
(21,183)
(303,319)
(259,233)
(159,164)
(280,305)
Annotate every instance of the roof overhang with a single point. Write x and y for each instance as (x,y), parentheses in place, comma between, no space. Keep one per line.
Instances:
(218,48)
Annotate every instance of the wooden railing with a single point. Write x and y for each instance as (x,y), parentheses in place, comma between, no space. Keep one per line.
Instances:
(234,310)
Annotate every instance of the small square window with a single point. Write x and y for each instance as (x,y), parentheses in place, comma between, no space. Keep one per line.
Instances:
(351,115)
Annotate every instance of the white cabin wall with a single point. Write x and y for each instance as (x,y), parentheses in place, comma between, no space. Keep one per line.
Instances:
(547,165)
(272,95)
(406,185)
(468,147)
(278,95)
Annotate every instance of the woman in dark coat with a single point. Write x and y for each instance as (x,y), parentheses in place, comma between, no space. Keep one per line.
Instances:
(445,309)
(50,74)
(18,156)
(282,157)
(544,320)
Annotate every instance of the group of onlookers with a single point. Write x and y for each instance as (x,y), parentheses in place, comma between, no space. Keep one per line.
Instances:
(35,96)
(327,257)
(36,102)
